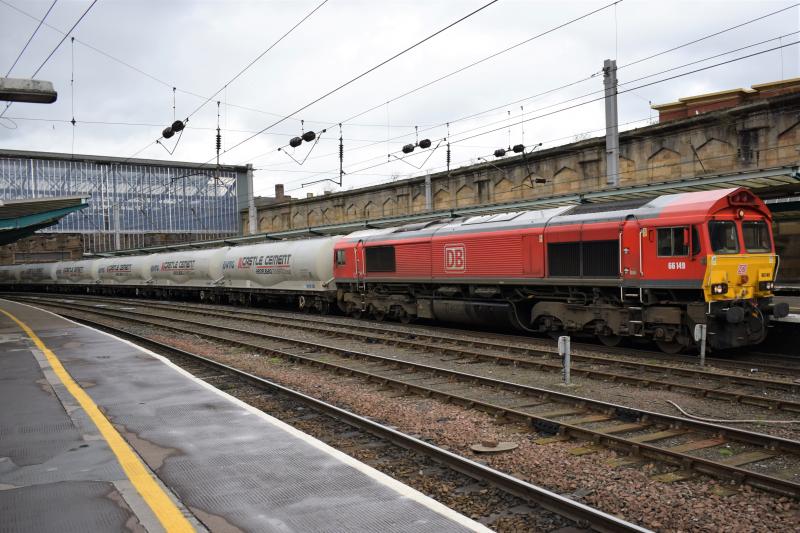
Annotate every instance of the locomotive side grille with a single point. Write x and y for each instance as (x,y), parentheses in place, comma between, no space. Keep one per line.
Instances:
(600,259)
(564,259)
(594,259)
(380,258)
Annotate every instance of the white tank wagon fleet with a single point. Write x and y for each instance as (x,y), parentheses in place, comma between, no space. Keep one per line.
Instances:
(297,272)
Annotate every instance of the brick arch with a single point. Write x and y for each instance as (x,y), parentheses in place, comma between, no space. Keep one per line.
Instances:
(314,218)
(715,155)
(664,163)
(389,207)
(465,195)
(418,203)
(627,172)
(370,210)
(566,179)
(441,200)
(504,190)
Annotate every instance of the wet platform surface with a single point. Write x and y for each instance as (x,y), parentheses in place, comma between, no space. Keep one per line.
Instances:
(207,461)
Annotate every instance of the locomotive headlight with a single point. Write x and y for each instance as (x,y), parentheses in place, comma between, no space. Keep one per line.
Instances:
(719,288)
(766,285)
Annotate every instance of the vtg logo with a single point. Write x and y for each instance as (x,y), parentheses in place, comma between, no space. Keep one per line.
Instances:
(455,258)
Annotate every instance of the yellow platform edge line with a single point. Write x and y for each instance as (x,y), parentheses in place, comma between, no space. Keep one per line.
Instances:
(171,518)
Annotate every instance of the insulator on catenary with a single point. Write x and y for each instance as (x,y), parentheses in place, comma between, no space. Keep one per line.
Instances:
(309,136)
(167,133)
(500,152)
(295,142)
(425,143)
(518,148)
(407,149)
(219,142)
(177,126)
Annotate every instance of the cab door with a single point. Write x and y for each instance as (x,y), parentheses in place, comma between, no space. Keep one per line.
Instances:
(631,250)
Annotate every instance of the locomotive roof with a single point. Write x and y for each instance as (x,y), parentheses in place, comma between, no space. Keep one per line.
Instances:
(667,205)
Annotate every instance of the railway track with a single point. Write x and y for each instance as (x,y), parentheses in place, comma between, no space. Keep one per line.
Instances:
(753,361)
(764,461)
(518,498)
(692,379)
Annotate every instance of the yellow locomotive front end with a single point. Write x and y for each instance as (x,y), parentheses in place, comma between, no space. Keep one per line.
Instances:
(740,278)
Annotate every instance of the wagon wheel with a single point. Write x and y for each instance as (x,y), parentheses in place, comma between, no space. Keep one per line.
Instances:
(404,317)
(354,311)
(670,347)
(379,315)
(324,307)
(610,340)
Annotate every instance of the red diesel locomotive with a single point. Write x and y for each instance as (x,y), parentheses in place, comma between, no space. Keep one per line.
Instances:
(650,268)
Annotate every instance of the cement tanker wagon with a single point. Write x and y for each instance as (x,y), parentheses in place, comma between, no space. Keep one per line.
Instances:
(197,268)
(302,268)
(75,272)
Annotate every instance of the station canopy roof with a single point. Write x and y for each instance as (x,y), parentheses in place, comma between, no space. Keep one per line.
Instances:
(21,218)
(773,185)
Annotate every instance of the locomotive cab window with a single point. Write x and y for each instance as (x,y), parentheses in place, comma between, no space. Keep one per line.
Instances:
(380,258)
(756,236)
(341,257)
(695,241)
(673,242)
(724,237)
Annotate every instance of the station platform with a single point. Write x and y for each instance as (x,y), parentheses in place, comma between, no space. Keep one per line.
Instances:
(97,434)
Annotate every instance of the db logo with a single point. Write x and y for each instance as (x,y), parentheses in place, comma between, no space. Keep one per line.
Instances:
(455,258)
(742,270)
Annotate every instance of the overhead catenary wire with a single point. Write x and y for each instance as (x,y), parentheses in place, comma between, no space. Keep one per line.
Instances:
(524,120)
(28,42)
(358,77)
(152,77)
(581,80)
(484,59)
(619,92)
(257,58)
(341,86)
(53,51)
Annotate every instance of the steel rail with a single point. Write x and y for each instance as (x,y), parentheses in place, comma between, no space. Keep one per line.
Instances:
(707,466)
(558,504)
(548,363)
(461,337)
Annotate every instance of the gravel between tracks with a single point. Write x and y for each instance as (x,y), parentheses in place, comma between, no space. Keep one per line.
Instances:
(694,505)
(651,399)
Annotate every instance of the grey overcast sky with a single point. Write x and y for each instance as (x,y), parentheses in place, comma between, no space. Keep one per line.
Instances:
(197,46)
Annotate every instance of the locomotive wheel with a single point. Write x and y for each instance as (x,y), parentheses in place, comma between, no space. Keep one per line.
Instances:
(670,347)
(610,340)
(404,317)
